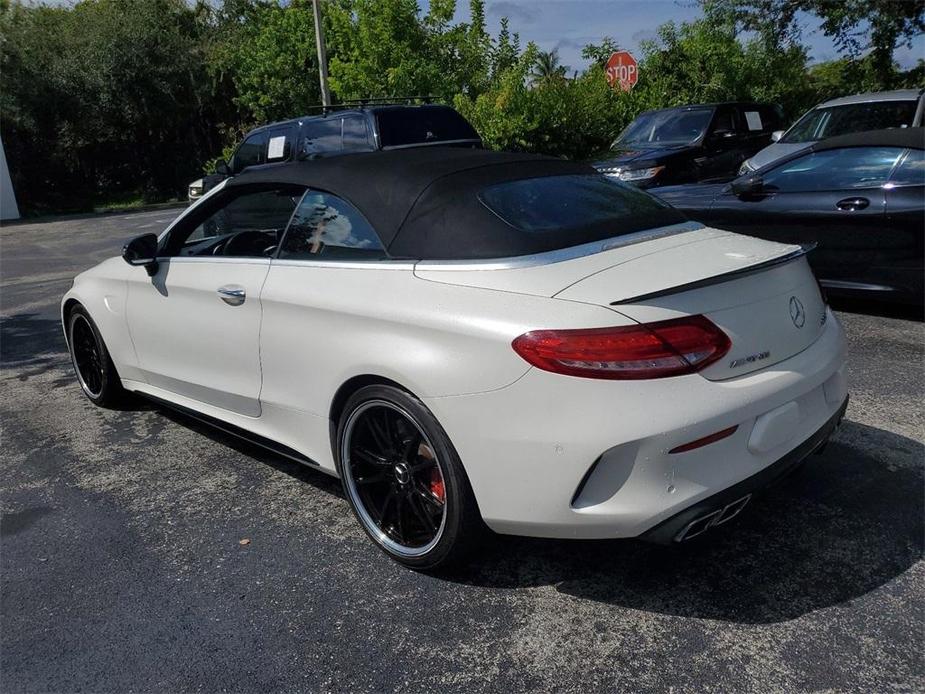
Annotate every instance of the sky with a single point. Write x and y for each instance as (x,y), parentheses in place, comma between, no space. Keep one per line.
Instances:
(568,25)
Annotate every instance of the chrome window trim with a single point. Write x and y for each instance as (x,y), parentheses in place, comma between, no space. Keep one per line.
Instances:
(561,254)
(346,264)
(225,260)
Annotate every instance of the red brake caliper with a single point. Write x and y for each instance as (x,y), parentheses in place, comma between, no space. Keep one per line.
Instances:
(436,484)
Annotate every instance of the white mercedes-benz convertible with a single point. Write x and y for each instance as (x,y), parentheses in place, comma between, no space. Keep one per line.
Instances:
(469,337)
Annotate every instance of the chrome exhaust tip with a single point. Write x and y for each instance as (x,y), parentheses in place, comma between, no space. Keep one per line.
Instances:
(700,525)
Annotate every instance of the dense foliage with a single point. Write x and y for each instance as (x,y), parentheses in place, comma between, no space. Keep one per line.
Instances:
(113,98)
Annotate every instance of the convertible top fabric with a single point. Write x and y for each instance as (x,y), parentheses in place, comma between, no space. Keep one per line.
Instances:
(913,138)
(423,202)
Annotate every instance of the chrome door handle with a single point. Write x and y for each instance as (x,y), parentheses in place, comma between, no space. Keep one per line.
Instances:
(232,294)
(852,204)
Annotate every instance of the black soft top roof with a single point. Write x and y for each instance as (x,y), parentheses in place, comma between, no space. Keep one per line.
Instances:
(913,138)
(423,202)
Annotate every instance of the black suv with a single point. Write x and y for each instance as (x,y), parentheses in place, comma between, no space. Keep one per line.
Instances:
(687,144)
(340,130)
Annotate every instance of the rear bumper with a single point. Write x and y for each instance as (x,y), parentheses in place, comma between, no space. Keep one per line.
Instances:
(557,456)
(681,526)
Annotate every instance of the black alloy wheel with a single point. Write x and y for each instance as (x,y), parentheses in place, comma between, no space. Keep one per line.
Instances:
(95,371)
(403,479)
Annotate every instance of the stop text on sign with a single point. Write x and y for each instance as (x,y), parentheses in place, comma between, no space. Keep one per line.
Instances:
(622,71)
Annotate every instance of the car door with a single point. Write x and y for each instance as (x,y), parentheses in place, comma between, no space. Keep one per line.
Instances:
(724,145)
(833,198)
(905,218)
(310,312)
(195,323)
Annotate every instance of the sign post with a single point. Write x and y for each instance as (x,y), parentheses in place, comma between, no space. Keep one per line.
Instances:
(622,71)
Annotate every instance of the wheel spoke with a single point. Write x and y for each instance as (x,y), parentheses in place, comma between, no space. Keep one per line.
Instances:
(410,450)
(434,502)
(415,503)
(389,498)
(371,479)
(399,517)
(380,438)
(369,457)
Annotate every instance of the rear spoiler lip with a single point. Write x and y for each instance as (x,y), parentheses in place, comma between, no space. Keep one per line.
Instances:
(722,277)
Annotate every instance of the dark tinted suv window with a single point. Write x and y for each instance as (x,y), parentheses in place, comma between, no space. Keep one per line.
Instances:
(575,202)
(250,153)
(354,133)
(321,136)
(821,123)
(422,125)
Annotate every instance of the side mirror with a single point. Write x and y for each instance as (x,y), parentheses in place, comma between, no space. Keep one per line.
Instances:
(776,135)
(142,250)
(221,168)
(744,186)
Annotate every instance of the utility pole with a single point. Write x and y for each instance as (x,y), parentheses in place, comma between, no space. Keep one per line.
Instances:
(322,55)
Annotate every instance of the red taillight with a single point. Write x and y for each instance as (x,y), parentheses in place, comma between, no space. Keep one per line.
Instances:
(652,350)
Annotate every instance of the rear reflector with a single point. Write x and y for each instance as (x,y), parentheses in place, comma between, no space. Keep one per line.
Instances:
(699,443)
(652,350)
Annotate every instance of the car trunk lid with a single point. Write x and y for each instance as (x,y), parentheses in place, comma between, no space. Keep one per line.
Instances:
(762,295)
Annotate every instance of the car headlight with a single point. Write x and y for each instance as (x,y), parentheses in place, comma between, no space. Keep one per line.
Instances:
(639,174)
(195,191)
(746,167)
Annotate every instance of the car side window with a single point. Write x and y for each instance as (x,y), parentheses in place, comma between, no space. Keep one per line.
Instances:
(249,153)
(355,134)
(725,120)
(321,136)
(834,169)
(911,171)
(325,227)
(249,224)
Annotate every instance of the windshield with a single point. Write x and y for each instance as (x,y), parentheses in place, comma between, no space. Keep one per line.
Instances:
(666,128)
(422,125)
(821,123)
(597,206)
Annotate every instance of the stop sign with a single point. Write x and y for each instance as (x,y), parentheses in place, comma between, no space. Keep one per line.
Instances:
(622,70)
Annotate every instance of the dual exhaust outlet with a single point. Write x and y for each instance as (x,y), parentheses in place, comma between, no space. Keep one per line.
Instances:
(700,525)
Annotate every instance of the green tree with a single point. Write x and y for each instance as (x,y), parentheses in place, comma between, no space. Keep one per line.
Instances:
(877,27)
(267,51)
(600,53)
(547,67)
(121,104)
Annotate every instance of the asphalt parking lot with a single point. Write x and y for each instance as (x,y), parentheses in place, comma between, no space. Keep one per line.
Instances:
(123,568)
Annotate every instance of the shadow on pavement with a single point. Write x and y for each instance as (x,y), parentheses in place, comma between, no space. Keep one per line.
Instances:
(844,524)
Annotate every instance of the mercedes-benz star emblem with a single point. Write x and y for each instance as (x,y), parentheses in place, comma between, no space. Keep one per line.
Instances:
(797,313)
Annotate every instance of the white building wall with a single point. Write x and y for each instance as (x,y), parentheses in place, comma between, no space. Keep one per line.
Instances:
(8,207)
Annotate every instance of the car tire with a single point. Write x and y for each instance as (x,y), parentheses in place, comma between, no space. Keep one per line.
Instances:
(96,373)
(407,528)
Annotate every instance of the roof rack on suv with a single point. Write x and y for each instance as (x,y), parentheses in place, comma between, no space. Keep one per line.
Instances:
(373,101)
